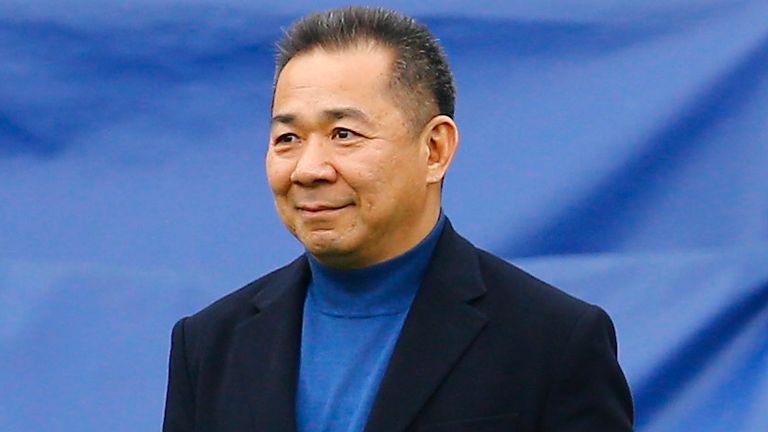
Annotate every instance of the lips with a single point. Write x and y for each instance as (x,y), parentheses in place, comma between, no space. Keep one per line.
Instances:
(320,208)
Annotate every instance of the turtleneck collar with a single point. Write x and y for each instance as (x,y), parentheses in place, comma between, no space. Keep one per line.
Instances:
(386,288)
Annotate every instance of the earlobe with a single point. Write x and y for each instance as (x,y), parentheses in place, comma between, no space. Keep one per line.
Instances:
(442,140)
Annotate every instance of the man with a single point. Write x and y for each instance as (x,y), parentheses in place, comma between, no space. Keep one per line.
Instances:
(390,321)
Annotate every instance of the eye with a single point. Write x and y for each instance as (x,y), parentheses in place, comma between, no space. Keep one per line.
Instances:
(286,138)
(344,134)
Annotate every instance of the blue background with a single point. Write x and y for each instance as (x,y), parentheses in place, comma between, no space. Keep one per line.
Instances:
(617,149)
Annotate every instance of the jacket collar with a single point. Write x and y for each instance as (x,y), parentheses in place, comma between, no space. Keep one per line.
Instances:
(439,327)
(266,348)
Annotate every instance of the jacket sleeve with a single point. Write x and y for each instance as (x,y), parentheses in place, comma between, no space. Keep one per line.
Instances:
(180,396)
(590,392)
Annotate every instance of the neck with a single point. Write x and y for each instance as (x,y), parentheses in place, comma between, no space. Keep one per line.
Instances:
(381,289)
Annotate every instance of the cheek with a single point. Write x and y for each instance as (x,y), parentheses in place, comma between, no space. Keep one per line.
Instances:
(367,182)
(278,174)
(376,189)
(373,168)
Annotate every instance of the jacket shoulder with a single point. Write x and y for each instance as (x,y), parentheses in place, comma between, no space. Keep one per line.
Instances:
(231,309)
(520,309)
(512,286)
(545,321)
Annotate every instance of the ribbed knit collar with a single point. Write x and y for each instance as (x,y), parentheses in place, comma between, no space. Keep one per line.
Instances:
(386,288)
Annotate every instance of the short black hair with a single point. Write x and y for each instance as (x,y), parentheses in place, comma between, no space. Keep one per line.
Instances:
(420,66)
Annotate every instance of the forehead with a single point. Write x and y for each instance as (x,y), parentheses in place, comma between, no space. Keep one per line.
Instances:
(352,76)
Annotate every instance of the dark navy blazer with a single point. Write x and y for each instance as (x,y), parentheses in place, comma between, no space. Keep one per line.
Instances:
(485,347)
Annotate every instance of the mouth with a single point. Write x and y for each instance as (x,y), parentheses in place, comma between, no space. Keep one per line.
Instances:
(320,209)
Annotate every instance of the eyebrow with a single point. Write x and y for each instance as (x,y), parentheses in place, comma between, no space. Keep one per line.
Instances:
(328,115)
(348,112)
(284,119)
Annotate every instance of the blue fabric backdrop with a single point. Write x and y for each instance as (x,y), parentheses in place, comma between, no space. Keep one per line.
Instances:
(616,149)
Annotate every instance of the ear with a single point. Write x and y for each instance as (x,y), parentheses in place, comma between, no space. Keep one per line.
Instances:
(441,139)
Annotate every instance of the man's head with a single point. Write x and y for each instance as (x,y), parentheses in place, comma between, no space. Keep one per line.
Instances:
(355,177)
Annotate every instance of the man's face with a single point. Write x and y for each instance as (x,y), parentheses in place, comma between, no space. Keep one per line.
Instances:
(348,176)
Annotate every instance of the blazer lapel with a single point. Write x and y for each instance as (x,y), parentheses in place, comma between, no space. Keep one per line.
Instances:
(440,326)
(267,348)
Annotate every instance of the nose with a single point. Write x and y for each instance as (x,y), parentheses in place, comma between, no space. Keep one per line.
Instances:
(314,164)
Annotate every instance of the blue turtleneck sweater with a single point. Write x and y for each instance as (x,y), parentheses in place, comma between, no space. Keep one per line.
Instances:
(352,319)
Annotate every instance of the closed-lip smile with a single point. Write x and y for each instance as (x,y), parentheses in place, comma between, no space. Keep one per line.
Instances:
(319,208)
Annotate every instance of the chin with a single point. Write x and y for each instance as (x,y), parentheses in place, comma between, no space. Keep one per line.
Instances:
(322,243)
